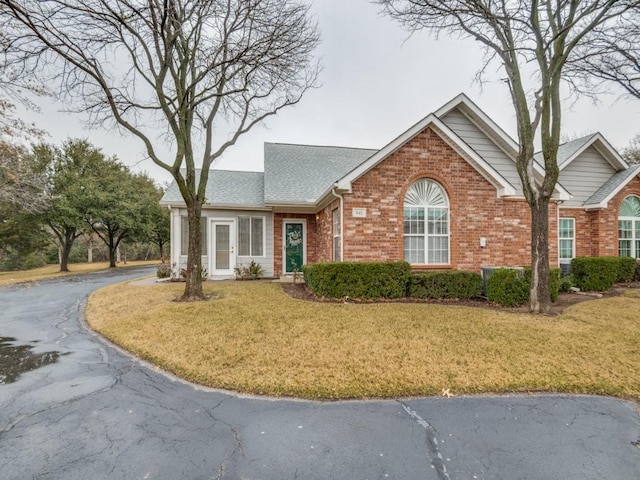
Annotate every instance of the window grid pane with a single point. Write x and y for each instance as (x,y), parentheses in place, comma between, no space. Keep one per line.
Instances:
(256,237)
(414,249)
(244,234)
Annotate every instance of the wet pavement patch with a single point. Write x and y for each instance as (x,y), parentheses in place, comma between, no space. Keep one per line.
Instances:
(17,359)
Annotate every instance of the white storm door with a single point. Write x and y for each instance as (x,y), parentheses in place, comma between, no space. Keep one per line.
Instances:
(223,242)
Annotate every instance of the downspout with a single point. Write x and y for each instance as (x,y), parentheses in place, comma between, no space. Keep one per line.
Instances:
(339,197)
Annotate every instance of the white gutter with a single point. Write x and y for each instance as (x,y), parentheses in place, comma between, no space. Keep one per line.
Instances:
(339,197)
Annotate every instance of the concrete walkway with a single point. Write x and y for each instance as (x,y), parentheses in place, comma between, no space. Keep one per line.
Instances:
(98,413)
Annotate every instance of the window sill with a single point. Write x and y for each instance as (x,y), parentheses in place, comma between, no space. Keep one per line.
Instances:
(431,267)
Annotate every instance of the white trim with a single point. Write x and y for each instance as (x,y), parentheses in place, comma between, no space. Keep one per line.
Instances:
(503,187)
(605,202)
(285,221)
(463,100)
(231,222)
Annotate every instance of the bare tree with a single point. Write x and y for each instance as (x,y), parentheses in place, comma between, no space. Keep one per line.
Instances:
(533,40)
(198,73)
(611,57)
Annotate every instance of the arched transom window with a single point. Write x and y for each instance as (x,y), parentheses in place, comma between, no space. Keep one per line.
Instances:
(629,227)
(426,224)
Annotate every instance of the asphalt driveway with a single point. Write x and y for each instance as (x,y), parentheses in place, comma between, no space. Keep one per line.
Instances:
(89,411)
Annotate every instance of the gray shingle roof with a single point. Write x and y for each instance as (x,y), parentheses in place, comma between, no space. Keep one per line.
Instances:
(611,185)
(226,187)
(302,173)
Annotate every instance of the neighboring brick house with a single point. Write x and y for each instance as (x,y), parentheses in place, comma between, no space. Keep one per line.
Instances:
(445,194)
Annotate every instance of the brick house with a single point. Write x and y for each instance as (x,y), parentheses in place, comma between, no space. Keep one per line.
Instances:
(445,194)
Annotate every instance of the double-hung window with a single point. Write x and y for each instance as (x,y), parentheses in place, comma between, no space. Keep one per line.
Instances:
(426,224)
(251,236)
(566,239)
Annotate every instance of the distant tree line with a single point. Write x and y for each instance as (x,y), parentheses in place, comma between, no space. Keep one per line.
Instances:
(58,194)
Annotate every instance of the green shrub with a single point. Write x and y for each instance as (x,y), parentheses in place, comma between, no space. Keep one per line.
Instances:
(636,275)
(598,273)
(508,287)
(626,269)
(566,283)
(445,284)
(358,279)
(164,271)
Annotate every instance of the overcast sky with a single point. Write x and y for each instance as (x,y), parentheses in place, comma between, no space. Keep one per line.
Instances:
(375,84)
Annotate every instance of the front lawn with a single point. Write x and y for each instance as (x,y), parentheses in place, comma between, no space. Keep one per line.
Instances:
(252,337)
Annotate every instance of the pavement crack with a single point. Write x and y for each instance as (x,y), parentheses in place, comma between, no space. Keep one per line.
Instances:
(433,448)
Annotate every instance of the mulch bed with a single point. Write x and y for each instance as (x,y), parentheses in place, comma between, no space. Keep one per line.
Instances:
(301,292)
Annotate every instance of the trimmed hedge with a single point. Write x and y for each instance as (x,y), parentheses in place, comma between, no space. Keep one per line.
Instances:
(601,273)
(358,279)
(511,287)
(445,284)
(508,287)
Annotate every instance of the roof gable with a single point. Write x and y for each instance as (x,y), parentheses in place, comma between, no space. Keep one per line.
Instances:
(570,151)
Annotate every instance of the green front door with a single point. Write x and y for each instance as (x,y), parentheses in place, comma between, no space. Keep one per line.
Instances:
(293,246)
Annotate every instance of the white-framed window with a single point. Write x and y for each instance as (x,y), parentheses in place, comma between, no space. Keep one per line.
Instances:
(184,235)
(566,239)
(426,224)
(251,236)
(335,216)
(629,227)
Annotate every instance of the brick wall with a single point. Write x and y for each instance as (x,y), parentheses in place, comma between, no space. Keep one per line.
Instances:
(475,210)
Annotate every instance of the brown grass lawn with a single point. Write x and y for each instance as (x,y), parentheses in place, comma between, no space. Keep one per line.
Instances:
(255,338)
(49,271)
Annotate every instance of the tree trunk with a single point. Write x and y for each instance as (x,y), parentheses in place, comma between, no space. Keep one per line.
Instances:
(90,252)
(66,240)
(113,251)
(64,256)
(193,288)
(540,295)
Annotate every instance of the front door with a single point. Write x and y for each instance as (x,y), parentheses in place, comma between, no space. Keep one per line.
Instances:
(223,257)
(294,245)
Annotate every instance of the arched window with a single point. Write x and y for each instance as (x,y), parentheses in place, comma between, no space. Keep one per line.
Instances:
(426,224)
(629,227)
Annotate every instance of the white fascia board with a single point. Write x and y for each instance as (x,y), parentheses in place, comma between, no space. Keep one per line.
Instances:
(504,188)
(480,119)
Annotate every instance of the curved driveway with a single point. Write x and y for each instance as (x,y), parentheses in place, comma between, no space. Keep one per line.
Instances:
(99,413)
